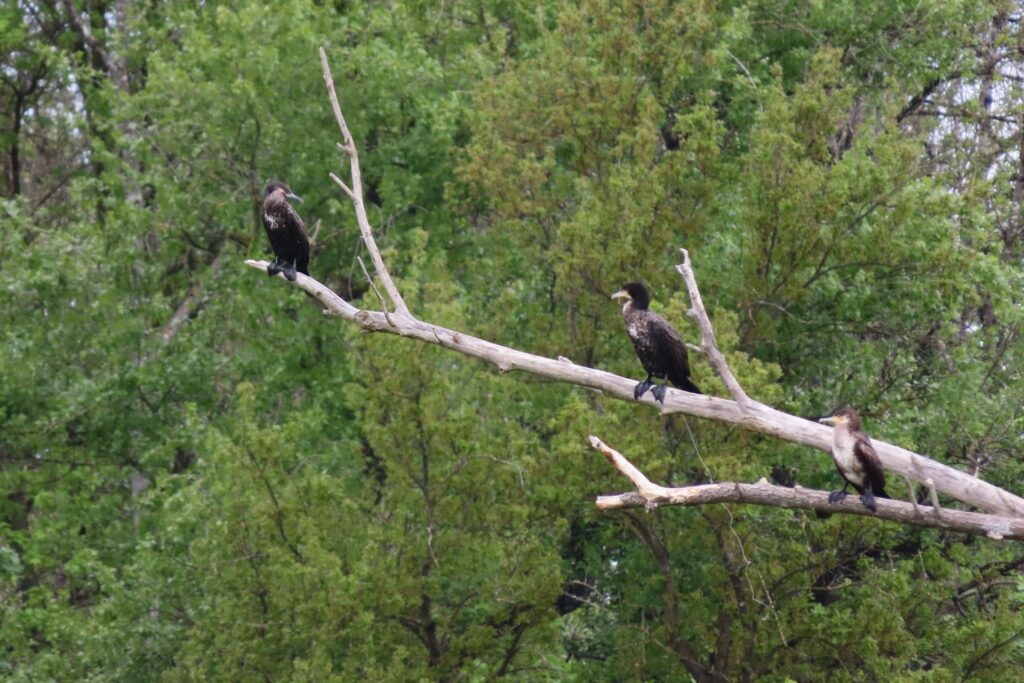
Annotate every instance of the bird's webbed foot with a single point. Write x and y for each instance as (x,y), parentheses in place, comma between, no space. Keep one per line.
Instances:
(868,498)
(837,496)
(659,393)
(290,273)
(641,388)
(274,268)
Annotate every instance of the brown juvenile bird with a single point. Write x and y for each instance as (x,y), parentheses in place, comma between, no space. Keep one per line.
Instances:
(286,231)
(657,344)
(855,459)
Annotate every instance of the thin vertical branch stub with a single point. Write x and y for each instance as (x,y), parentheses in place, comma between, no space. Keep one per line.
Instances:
(644,487)
(383,304)
(355,193)
(707,334)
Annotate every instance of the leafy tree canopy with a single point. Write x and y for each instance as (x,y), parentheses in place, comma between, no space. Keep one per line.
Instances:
(204,478)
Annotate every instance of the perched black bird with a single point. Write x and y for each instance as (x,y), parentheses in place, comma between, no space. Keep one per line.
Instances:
(657,344)
(286,231)
(855,459)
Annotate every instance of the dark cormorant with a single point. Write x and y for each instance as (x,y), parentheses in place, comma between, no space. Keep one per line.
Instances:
(855,459)
(286,231)
(658,346)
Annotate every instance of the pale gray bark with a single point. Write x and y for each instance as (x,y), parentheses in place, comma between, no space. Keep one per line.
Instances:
(649,496)
(743,412)
(757,418)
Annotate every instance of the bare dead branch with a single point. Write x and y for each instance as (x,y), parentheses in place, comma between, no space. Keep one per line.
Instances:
(650,495)
(356,194)
(333,304)
(759,418)
(707,334)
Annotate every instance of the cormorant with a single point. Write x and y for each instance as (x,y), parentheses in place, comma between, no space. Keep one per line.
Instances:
(286,231)
(658,346)
(855,459)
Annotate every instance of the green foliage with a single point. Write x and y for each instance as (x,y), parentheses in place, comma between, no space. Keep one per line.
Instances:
(262,494)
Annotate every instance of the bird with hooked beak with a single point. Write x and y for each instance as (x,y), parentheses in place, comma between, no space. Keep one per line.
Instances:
(286,231)
(855,458)
(657,344)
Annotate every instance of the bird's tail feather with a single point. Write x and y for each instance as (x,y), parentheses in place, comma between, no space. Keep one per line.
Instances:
(687,385)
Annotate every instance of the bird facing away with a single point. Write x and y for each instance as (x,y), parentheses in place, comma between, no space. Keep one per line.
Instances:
(855,459)
(657,344)
(286,231)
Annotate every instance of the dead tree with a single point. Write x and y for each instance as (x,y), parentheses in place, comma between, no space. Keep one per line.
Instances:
(1004,516)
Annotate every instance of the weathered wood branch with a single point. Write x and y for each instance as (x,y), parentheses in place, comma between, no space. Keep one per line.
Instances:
(355,193)
(649,496)
(742,412)
(759,418)
(707,334)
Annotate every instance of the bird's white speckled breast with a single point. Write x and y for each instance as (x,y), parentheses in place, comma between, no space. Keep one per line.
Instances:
(842,451)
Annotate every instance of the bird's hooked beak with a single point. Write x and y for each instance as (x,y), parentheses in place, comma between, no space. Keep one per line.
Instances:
(832,420)
(292,195)
(621,294)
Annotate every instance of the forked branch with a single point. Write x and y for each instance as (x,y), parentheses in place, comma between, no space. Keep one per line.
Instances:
(759,418)
(707,334)
(649,496)
(355,193)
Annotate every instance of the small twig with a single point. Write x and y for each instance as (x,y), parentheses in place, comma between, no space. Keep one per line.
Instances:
(383,304)
(355,193)
(913,495)
(746,71)
(707,335)
(936,508)
(508,463)
(343,186)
